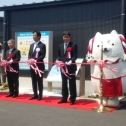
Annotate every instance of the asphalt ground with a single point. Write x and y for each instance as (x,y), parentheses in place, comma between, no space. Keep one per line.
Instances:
(22,114)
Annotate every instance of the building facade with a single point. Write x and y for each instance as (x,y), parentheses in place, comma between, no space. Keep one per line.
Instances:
(83,18)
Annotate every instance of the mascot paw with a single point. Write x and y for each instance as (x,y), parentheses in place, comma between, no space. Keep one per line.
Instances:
(89,58)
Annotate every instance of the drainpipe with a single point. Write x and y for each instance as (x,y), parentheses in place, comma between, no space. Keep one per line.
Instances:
(123,17)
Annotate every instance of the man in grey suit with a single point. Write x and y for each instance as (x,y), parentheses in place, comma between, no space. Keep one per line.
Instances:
(13,55)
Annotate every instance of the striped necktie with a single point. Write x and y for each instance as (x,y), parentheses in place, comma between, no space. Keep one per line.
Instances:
(35,44)
(65,47)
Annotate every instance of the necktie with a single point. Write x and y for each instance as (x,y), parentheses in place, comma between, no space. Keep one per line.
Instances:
(10,51)
(34,46)
(65,47)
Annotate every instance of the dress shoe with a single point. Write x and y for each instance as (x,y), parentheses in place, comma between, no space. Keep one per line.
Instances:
(39,98)
(9,95)
(14,96)
(34,97)
(62,101)
(72,102)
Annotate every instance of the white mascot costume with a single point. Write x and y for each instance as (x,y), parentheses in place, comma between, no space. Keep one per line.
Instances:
(113,65)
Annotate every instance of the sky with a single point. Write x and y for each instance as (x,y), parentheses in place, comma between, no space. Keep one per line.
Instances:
(18,2)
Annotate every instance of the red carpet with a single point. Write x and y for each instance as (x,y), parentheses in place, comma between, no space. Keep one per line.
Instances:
(52,101)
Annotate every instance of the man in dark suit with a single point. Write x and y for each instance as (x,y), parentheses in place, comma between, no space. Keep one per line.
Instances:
(67,53)
(13,55)
(37,52)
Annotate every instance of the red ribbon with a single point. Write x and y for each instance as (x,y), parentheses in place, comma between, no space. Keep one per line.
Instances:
(33,65)
(10,56)
(69,49)
(102,64)
(60,64)
(5,63)
(36,55)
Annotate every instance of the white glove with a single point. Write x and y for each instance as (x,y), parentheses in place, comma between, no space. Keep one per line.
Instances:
(124,57)
(10,62)
(56,61)
(68,63)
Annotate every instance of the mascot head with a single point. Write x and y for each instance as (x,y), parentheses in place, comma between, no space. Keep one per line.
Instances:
(114,46)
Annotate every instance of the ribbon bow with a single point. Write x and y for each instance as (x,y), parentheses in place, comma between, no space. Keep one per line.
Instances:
(4,63)
(102,64)
(34,66)
(60,64)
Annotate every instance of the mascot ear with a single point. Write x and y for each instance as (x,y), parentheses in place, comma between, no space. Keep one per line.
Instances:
(90,46)
(98,34)
(123,40)
(114,32)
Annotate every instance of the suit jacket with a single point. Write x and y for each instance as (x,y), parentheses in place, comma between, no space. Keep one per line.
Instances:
(16,57)
(62,56)
(41,54)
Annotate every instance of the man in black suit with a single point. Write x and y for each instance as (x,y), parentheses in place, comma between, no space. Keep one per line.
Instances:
(67,53)
(37,52)
(13,55)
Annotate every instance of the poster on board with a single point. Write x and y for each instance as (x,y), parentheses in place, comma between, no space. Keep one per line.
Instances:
(55,75)
(24,39)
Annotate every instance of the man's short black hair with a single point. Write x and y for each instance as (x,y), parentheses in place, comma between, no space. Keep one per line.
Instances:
(66,33)
(38,33)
